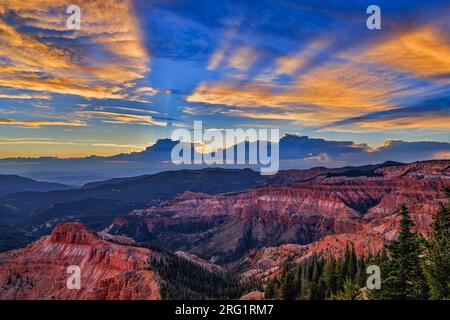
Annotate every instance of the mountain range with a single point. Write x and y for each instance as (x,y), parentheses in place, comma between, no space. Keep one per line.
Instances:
(243,224)
(296,152)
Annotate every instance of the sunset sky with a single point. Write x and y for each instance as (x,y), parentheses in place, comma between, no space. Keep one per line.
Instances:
(137,70)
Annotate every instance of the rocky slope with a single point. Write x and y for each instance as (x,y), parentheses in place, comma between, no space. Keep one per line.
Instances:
(362,205)
(108,271)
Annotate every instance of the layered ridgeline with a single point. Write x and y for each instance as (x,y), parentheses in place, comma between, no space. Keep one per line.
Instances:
(296,152)
(96,204)
(298,218)
(110,267)
(319,213)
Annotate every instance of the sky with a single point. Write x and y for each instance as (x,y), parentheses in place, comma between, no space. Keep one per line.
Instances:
(138,70)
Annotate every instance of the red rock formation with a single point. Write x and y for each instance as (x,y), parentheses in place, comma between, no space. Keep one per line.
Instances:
(341,204)
(254,295)
(108,271)
(200,262)
(335,209)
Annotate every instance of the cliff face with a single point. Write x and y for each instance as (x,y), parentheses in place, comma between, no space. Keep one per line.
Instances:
(108,271)
(253,232)
(305,212)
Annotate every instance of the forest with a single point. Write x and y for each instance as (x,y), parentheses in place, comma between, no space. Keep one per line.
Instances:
(412,267)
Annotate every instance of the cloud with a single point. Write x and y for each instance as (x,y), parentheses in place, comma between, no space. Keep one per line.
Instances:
(333,92)
(41,123)
(126,109)
(46,141)
(122,118)
(97,61)
(219,54)
(327,85)
(424,52)
(432,114)
(243,58)
(288,64)
(149,91)
(26,96)
(303,152)
(216,58)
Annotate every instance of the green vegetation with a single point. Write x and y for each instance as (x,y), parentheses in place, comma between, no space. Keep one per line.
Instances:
(436,262)
(186,280)
(403,277)
(318,279)
(11,238)
(411,268)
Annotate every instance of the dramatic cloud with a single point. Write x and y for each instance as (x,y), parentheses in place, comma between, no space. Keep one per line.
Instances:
(430,115)
(97,61)
(329,93)
(243,58)
(424,52)
(41,123)
(123,118)
(137,68)
(378,76)
(25,96)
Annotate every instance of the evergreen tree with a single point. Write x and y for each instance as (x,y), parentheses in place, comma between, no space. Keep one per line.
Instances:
(350,291)
(287,284)
(360,276)
(436,264)
(270,291)
(405,279)
(329,276)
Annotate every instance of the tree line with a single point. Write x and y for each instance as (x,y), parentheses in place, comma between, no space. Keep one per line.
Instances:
(412,267)
(186,280)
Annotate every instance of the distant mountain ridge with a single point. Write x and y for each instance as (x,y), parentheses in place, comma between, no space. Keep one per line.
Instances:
(12,184)
(357,204)
(97,204)
(218,219)
(296,152)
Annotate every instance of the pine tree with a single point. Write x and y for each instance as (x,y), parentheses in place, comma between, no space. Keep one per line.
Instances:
(350,291)
(360,276)
(329,276)
(405,279)
(436,264)
(287,284)
(270,289)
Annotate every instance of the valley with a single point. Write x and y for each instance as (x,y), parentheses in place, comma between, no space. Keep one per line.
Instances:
(135,233)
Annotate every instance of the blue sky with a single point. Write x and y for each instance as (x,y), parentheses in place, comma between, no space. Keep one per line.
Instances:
(137,70)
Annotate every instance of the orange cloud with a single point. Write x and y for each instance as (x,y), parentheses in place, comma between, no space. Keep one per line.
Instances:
(123,118)
(243,58)
(35,64)
(333,92)
(41,123)
(25,96)
(424,52)
(215,59)
(362,81)
(32,147)
(288,64)
(424,121)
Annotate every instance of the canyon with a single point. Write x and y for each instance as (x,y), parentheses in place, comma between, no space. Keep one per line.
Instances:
(108,271)
(250,232)
(324,208)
